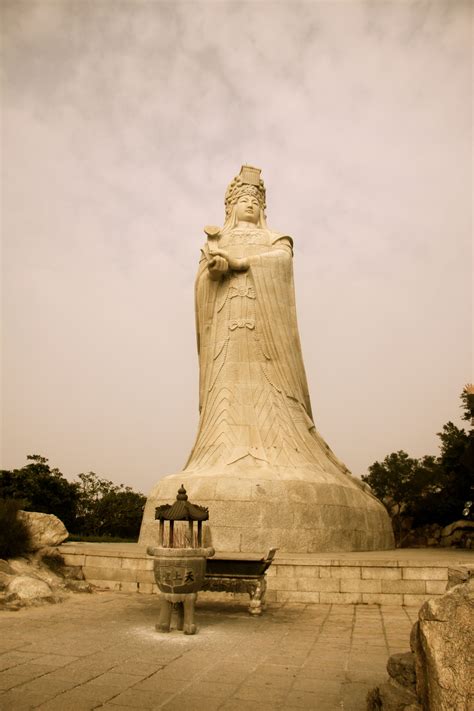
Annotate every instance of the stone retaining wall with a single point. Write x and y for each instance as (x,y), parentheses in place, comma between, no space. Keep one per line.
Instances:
(391,578)
(358,581)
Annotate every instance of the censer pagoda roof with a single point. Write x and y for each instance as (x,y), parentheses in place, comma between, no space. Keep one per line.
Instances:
(181,509)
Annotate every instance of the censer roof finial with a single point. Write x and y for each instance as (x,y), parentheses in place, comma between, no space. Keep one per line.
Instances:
(181,509)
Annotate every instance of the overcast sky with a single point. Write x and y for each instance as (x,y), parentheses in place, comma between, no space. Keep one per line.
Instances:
(123,123)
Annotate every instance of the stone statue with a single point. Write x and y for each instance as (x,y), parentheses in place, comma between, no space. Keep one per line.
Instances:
(258,462)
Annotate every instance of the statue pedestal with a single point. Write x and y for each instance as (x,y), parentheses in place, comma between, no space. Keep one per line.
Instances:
(297,511)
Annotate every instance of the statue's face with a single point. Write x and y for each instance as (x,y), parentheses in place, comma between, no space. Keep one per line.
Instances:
(248,209)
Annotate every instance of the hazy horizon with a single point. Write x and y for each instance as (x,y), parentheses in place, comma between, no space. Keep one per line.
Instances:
(122,125)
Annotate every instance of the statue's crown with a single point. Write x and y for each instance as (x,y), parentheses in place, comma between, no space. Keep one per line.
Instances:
(248,182)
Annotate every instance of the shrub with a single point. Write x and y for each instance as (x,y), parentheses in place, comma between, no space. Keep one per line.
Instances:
(14,534)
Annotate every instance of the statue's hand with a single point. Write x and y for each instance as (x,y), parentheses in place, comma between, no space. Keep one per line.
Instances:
(236,264)
(217,266)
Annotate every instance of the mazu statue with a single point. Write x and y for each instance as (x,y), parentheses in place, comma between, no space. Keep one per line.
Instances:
(258,462)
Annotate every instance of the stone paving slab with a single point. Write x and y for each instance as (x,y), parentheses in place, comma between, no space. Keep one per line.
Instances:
(101,651)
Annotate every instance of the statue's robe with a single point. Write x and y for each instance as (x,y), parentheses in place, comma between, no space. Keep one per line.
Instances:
(254,400)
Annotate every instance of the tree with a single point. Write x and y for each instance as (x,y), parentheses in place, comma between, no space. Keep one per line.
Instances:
(392,480)
(402,484)
(430,489)
(41,489)
(458,475)
(92,506)
(106,508)
(120,513)
(92,489)
(14,533)
(467,402)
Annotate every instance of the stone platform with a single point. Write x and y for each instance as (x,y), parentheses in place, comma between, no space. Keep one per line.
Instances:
(393,577)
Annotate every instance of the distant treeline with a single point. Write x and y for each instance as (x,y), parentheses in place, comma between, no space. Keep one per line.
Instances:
(430,489)
(91,507)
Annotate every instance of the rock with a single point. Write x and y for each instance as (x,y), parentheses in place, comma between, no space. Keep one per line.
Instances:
(6,573)
(27,588)
(374,702)
(36,568)
(37,578)
(442,640)
(48,576)
(44,529)
(79,586)
(457,576)
(73,572)
(50,556)
(20,566)
(401,667)
(4,579)
(460,533)
(5,567)
(462,524)
(392,697)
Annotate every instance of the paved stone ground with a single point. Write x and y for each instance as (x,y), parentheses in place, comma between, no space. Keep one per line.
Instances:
(102,651)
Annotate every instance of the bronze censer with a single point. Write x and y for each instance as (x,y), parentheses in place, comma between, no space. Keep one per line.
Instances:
(179,561)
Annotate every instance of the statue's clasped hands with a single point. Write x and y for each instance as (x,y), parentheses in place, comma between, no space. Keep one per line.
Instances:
(220,262)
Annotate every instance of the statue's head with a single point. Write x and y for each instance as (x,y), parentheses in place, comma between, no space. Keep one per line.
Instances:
(245,198)
(247,208)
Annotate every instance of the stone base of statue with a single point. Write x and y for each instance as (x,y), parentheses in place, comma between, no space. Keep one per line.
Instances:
(303,511)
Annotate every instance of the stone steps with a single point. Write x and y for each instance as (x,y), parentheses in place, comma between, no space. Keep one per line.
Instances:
(398,577)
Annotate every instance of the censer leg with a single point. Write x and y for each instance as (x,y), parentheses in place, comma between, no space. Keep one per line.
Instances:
(179,615)
(189,626)
(165,616)
(257,595)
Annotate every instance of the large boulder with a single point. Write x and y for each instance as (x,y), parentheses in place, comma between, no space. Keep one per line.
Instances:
(392,697)
(26,588)
(30,581)
(6,573)
(459,575)
(401,668)
(459,534)
(437,674)
(24,566)
(443,640)
(398,693)
(44,529)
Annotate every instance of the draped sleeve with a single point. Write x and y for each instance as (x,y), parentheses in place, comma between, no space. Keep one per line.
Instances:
(205,292)
(272,273)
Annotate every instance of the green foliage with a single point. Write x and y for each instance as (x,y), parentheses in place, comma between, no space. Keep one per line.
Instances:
(91,507)
(14,534)
(106,508)
(392,479)
(458,475)
(42,489)
(430,489)
(467,402)
(121,513)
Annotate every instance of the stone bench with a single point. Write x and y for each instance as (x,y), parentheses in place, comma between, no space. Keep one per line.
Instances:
(240,575)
